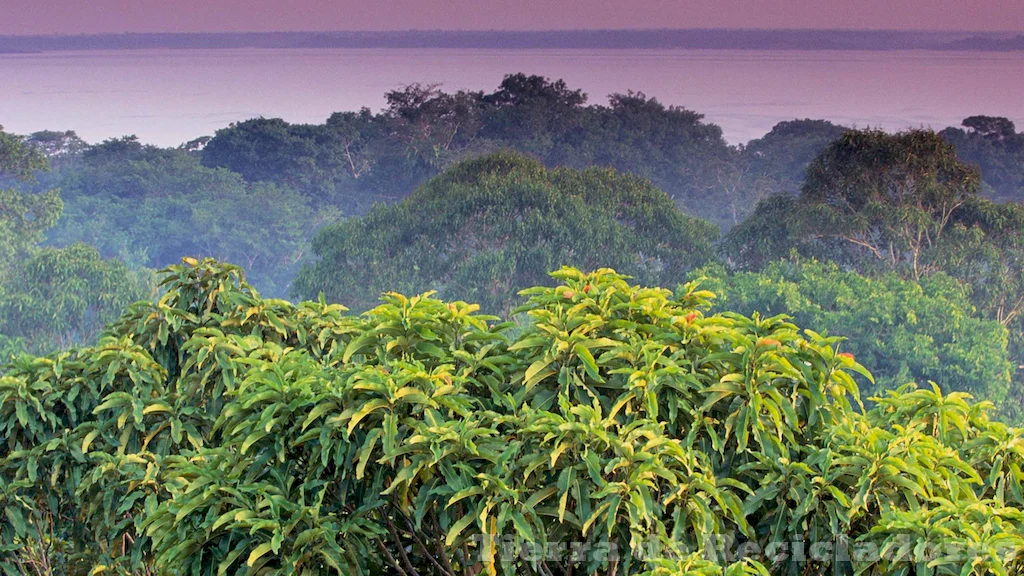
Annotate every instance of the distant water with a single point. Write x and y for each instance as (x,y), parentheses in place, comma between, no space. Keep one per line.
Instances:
(167,97)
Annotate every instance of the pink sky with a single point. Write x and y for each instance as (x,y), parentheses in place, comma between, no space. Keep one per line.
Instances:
(97,16)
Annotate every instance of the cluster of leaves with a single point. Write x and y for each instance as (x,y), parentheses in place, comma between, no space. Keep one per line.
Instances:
(214,431)
(902,330)
(489,227)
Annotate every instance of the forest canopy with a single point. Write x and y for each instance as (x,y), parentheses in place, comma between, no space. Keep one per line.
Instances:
(214,431)
(840,369)
(489,227)
(902,330)
(51,297)
(150,206)
(377,192)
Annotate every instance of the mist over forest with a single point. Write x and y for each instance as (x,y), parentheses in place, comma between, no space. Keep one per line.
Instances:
(693,38)
(478,346)
(149,206)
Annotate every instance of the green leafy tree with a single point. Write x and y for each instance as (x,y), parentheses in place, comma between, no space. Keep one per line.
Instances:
(905,203)
(871,199)
(18,159)
(669,145)
(215,431)
(50,297)
(23,217)
(489,227)
(60,148)
(731,182)
(993,144)
(60,297)
(358,158)
(989,255)
(433,124)
(784,154)
(150,206)
(316,160)
(885,197)
(991,127)
(528,112)
(901,330)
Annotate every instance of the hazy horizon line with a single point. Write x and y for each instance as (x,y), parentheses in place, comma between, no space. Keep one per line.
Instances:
(581,38)
(521,31)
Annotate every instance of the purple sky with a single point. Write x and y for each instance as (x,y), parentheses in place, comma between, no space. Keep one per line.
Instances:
(92,16)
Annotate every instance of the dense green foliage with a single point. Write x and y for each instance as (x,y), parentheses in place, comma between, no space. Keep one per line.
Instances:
(774,164)
(215,431)
(902,330)
(879,203)
(872,200)
(478,237)
(23,217)
(357,158)
(782,156)
(17,159)
(994,145)
(151,206)
(59,297)
(23,220)
(354,159)
(490,227)
(51,297)
(874,203)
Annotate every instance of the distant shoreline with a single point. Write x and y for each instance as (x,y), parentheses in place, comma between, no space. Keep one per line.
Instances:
(693,39)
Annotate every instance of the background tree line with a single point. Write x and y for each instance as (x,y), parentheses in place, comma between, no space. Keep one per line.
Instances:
(854,213)
(49,296)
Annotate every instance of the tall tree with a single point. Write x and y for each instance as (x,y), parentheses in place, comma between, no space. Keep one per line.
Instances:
(23,216)
(151,206)
(63,297)
(778,160)
(890,196)
(60,148)
(490,226)
(18,159)
(874,200)
(993,144)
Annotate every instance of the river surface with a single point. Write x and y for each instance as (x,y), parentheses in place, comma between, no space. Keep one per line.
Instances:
(167,97)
